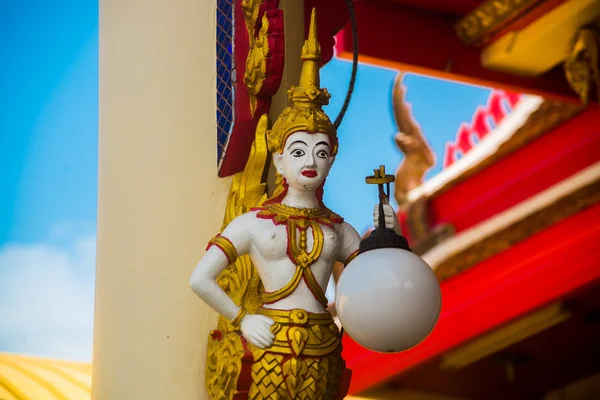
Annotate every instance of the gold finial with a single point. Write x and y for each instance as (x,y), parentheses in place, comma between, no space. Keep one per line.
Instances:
(308,93)
(379,177)
(305,113)
(312,49)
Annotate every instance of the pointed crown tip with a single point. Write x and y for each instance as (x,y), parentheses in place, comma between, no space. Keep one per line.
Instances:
(312,49)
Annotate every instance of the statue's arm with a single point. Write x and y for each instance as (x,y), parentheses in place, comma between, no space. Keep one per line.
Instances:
(204,278)
(350,240)
(234,241)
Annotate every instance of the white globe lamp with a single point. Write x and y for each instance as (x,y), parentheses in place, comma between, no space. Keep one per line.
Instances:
(387,299)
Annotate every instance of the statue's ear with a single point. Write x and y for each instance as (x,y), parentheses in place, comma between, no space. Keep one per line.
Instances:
(278,162)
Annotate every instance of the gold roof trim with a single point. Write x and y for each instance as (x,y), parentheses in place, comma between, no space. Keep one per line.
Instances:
(28,377)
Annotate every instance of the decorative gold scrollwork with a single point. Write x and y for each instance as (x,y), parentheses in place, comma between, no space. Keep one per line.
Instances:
(223,365)
(582,64)
(418,155)
(489,17)
(239,280)
(262,47)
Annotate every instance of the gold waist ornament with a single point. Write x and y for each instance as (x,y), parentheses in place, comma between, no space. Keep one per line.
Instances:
(300,333)
(304,361)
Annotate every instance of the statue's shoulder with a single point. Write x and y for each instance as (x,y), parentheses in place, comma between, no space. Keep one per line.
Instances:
(346,230)
(243,223)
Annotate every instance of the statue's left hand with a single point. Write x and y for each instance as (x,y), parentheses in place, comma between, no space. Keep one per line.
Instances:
(391,219)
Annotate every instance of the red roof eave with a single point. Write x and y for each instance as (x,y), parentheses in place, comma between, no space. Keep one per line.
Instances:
(483,297)
(569,148)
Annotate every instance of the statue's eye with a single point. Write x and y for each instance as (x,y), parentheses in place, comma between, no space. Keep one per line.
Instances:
(297,153)
(322,154)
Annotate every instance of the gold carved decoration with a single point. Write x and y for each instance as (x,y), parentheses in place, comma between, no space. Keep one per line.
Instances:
(563,208)
(304,361)
(490,17)
(418,156)
(418,159)
(256,63)
(582,64)
(248,190)
(224,364)
(264,63)
(240,279)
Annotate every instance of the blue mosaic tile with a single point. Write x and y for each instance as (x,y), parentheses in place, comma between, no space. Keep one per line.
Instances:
(224,48)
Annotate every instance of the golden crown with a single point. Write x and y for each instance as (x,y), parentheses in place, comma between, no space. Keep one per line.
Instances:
(305,112)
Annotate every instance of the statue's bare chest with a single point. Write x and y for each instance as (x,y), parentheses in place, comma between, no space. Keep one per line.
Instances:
(275,242)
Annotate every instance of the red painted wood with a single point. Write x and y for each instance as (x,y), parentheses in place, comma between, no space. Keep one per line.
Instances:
(244,124)
(455,7)
(332,16)
(424,41)
(539,270)
(546,161)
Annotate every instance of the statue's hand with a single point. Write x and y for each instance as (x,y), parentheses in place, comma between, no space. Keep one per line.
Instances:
(257,330)
(391,219)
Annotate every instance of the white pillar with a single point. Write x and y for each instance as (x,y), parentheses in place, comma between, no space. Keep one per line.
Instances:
(159,197)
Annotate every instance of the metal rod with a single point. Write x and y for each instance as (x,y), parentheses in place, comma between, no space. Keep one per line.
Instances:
(381,216)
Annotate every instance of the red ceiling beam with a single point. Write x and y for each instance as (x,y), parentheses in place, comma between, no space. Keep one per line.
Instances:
(545,267)
(421,41)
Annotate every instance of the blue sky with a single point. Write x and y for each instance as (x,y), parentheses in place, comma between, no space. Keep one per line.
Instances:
(367,131)
(48,156)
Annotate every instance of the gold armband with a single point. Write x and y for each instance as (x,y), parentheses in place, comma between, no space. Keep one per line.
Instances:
(238,318)
(226,247)
(351,257)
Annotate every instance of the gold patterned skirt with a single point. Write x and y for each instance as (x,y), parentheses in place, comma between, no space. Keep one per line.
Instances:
(304,361)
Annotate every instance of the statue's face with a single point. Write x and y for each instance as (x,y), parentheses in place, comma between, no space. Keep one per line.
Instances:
(305,161)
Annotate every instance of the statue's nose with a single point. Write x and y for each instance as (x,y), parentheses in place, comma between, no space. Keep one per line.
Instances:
(311,161)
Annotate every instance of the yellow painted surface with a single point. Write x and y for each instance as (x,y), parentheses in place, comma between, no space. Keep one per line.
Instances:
(543,44)
(35,378)
(159,201)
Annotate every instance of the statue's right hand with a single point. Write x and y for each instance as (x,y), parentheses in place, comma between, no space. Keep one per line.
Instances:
(257,330)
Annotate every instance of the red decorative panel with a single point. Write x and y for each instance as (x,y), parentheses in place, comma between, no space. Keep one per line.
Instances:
(237,147)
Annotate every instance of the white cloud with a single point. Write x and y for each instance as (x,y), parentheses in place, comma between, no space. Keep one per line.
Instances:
(47,299)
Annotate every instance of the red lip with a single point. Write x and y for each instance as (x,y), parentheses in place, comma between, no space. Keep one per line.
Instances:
(309,173)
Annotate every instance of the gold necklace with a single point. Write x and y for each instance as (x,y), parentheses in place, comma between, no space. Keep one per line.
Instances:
(281,213)
(297,220)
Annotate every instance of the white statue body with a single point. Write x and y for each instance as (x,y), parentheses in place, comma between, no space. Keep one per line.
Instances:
(305,163)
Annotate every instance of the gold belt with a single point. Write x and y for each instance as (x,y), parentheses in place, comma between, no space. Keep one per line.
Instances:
(296,316)
(301,333)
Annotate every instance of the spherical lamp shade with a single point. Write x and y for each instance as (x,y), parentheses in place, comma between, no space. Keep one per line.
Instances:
(388,299)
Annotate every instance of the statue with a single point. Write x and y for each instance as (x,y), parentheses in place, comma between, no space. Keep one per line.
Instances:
(266,272)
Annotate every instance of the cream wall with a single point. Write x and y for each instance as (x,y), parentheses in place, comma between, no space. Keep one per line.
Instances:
(159,197)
